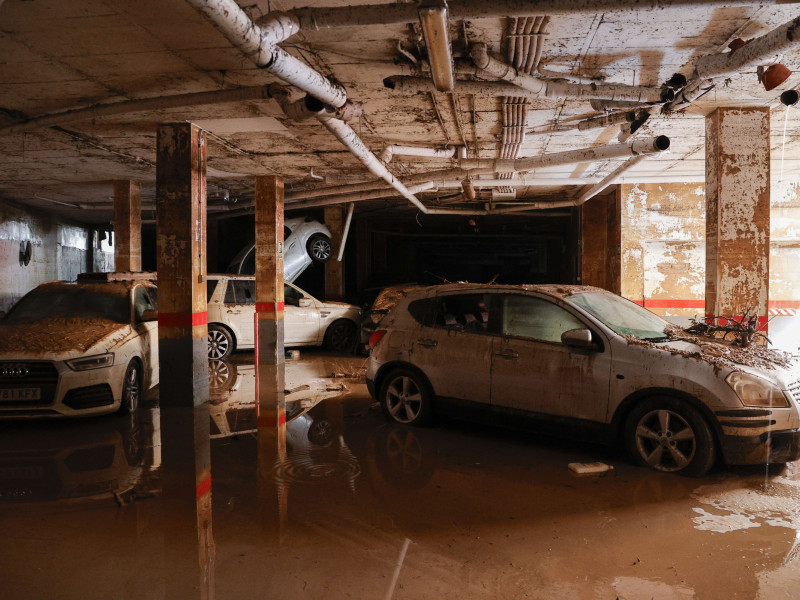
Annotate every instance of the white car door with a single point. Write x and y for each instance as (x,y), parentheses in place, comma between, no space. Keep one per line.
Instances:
(301,318)
(533,371)
(239,308)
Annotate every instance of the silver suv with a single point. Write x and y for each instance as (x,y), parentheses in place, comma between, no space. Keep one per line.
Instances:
(588,363)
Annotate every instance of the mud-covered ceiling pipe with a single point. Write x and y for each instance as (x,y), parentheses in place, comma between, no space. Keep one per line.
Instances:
(642,146)
(159,103)
(397,150)
(436,31)
(562,89)
(386,192)
(752,54)
(324,17)
(259,44)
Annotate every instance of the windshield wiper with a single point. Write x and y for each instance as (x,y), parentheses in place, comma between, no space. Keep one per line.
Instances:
(663,338)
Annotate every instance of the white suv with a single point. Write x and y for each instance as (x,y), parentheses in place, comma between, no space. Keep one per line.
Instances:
(80,348)
(307,321)
(588,363)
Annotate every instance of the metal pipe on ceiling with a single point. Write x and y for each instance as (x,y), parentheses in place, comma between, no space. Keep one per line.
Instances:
(643,146)
(752,54)
(395,149)
(258,43)
(325,17)
(562,89)
(260,92)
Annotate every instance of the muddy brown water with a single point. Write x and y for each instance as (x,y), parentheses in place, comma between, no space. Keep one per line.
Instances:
(341,504)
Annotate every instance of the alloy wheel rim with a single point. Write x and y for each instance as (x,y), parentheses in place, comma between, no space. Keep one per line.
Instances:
(665,440)
(322,249)
(403,399)
(217,344)
(133,389)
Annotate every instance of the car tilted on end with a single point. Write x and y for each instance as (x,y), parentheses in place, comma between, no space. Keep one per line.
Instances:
(80,348)
(306,322)
(587,363)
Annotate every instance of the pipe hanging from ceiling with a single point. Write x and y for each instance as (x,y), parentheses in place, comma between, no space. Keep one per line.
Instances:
(561,89)
(395,149)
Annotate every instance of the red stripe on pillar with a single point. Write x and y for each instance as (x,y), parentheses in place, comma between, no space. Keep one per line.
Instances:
(182,319)
(639,302)
(203,487)
(784,303)
(270,421)
(269,307)
(670,303)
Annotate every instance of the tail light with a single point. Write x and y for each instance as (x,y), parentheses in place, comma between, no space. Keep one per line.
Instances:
(376,337)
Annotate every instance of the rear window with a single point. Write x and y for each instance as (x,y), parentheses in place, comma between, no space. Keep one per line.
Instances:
(241,292)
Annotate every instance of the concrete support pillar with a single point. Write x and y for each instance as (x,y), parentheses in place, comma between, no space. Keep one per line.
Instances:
(334,271)
(183,357)
(737,212)
(128,225)
(270,357)
(601,239)
(181,225)
(269,292)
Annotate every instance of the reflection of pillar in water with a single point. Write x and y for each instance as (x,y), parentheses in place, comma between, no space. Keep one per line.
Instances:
(270,360)
(183,362)
(186,490)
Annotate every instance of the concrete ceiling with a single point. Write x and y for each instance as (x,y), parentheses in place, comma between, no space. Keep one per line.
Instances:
(57,55)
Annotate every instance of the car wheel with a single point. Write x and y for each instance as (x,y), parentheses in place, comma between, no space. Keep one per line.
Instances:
(340,336)
(220,342)
(670,435)
(405,398)
(131,388)
(319,248)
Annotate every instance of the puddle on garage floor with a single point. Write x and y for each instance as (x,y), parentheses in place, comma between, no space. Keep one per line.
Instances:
(342,504)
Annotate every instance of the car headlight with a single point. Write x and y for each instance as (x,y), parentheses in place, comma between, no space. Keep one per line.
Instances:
(755,391)
(98,361)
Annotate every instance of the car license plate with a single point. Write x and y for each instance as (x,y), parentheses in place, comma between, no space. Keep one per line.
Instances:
(18,394)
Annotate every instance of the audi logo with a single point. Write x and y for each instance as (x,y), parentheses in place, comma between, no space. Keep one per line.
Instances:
(14,371)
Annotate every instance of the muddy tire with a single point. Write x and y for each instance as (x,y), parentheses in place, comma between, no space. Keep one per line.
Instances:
(131,388)
(671,436)
(220,342)
(319,248)
(341,336)
(406,398)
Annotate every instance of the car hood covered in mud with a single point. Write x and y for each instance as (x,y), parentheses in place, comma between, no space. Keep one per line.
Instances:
(59,339)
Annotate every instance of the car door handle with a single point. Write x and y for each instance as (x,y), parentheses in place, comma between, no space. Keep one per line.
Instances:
(507,354)
(427,343)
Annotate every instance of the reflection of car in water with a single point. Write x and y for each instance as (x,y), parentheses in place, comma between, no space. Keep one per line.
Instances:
(307,321)
(304,241)
(92,459)
(80,348)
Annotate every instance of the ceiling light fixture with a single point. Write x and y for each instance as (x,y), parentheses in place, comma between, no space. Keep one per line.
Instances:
(433,17)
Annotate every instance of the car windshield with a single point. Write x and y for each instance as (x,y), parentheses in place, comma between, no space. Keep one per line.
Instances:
(73,302)
(622,316)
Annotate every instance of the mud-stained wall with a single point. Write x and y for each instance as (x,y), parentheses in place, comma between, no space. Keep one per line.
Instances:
(663,247)
(663,252)
(36,247)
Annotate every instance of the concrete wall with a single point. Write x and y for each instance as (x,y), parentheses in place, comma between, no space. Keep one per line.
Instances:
(663,253)
(58,250)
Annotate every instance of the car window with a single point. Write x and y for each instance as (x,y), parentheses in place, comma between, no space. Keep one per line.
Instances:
(470,312)
(286,232)
(142,301)
(526,316)
(423,310)
(211,285)
(291,296)
(241,291)
(101,301)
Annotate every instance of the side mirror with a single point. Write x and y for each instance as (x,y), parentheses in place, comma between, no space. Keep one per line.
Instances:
(306,302)
(149,315)
(578,338)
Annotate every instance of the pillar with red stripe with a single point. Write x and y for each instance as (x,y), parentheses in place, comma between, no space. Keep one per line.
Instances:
(183,358)
(738,212)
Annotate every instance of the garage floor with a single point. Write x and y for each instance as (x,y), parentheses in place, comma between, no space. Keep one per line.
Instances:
(360,508)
